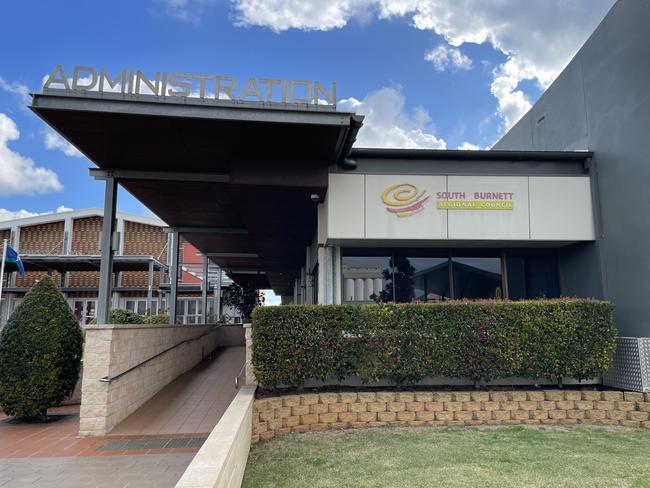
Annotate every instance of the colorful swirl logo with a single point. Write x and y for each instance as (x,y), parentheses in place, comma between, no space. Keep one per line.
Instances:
(404,199)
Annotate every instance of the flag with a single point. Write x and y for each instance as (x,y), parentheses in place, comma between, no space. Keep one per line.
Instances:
(13,257)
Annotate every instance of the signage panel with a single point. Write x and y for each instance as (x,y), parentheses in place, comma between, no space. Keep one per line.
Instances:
(493,207)
(481,208)
(401,207)
(201,86)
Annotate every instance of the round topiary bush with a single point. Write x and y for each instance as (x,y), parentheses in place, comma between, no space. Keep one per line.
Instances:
(40,353)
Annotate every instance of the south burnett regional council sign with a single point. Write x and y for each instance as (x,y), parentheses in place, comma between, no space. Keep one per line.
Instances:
(405,199)
(135,82)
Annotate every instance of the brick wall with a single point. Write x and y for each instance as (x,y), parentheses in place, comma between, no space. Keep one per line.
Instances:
(140,239)
(85,235)
(110,350)
(320,411)
(40,239)
(143,240)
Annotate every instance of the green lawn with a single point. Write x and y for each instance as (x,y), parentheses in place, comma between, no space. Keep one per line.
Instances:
(515,456)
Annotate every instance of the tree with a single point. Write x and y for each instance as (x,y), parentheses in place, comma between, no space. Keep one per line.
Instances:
(40,353)
(244,300)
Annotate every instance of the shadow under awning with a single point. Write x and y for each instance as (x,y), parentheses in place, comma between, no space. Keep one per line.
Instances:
(218,165)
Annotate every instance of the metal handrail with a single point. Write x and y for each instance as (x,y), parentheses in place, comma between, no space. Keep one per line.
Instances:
(238,375)
(109,379)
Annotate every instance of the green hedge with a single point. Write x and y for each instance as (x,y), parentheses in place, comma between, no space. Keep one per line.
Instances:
(482,340)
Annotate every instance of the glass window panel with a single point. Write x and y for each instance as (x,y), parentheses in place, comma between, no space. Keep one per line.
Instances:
(367,279)
(79,309)
(142,307)
(192,307)
(430,280)
(533,277)
(154,307)
(477,277)
(130,305)
(516,278)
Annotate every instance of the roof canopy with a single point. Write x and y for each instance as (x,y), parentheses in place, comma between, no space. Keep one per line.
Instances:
(236,179)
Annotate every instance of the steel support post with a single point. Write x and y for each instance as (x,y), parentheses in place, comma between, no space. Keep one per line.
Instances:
(205,284)
(106,243)
(173,277)
(150,287)
(217,296)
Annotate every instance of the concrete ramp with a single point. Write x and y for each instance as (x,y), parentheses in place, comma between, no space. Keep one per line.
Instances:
(191,404)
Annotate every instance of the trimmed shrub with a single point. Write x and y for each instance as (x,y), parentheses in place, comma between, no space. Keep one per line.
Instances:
(40,353)
(482,341)
(120,316)
(161,318)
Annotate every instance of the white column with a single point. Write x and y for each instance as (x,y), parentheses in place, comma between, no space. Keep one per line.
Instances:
(358,289)
(379,285)
(349,290)
(369,287)
(321,275)
(336,275)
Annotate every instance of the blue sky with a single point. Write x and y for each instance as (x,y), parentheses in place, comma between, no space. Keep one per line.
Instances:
(427,73)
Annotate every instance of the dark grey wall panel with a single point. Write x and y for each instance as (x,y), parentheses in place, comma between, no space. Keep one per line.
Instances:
(580,273)
(601,102)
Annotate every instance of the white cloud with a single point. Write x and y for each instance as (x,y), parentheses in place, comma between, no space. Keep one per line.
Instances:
(469,146)
(538,37)
(17,89)
(17,214)
(21,214)
(281,15)
(189,11)
(388,125)
(443,57)
(54,141)
(18,174)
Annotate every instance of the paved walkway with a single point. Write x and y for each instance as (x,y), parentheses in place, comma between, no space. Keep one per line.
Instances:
(191,404)
(160,470)
(152,447)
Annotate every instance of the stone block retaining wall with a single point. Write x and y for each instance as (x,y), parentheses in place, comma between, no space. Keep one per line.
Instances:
(321,411)
(112,349)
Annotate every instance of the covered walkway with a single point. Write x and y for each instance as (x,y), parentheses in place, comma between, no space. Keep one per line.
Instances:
(191,404)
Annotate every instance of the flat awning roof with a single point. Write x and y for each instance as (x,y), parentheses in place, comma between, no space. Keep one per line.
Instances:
(236,179)
(65,263)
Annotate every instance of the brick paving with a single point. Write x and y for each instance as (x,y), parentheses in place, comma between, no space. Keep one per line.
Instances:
(152,447)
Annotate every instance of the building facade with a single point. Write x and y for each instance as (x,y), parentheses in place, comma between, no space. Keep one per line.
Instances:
(65,245)
(557,208)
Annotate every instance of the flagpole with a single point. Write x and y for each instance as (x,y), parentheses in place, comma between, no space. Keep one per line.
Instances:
(2,268)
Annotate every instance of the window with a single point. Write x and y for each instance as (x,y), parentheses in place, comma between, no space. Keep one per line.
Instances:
(84,310)
(477,277)
(421,279)
(188,310)
(532,275)
(435,275)
(139,306)
(367,279)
